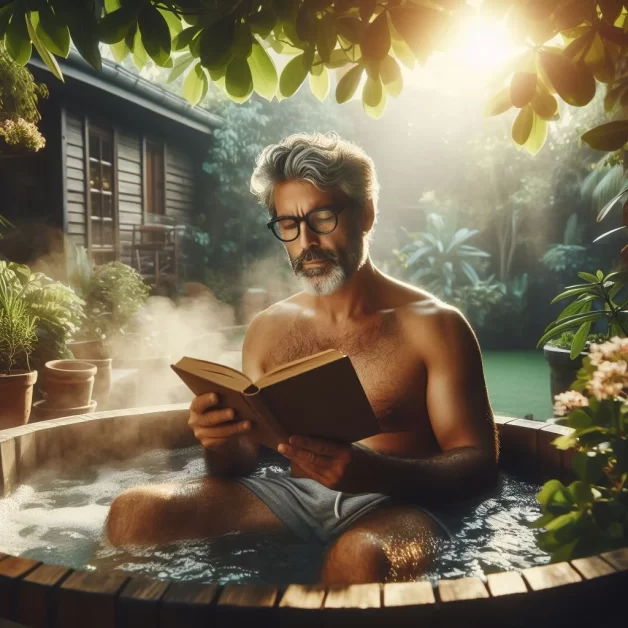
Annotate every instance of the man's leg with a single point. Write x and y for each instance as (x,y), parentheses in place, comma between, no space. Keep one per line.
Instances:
(390,544)
(150,515)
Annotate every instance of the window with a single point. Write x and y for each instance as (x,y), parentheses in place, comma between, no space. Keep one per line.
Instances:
(102,210)
(154,180)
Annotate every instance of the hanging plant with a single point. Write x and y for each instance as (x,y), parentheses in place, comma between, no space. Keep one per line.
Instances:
(19,96)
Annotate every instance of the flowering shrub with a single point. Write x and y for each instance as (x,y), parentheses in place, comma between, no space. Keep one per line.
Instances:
(591,514)
(19,132)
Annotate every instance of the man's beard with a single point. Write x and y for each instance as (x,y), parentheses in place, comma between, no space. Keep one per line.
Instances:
(339,266)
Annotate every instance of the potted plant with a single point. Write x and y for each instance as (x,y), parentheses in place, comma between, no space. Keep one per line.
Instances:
(590,516)
(17,341)
(596,302)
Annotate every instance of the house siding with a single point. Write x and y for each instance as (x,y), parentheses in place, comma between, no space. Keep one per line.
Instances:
(75,179)
(130,193)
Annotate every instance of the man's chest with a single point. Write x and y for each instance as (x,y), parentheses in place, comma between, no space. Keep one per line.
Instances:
(393,377)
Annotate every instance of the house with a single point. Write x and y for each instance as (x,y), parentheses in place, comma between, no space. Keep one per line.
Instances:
(121,152)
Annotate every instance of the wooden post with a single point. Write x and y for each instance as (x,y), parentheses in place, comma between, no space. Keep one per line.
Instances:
(355,605)
(301,606)
(240,604)
(188,604)
(138,605)
(12,569)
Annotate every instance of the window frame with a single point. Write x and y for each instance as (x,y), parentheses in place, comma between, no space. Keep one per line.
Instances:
(110,132)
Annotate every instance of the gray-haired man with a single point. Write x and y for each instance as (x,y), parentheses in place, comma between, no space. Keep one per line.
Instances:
(416,357)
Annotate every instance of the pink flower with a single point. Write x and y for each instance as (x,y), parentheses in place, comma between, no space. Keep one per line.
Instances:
(567,401)
(609,380)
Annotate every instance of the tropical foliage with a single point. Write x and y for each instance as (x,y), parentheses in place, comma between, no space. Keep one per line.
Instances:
(440,257)
(599,301)
(591,514)
(57,309)
(567,45)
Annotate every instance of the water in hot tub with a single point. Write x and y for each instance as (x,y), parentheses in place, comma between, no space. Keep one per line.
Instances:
(57,517)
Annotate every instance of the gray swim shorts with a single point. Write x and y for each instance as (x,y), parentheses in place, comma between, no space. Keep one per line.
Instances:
(313,511)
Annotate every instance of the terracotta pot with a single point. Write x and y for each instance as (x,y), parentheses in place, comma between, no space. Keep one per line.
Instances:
(69,383)
(16,397)
(102,381)
(41,412)
(88,349)
(563,370)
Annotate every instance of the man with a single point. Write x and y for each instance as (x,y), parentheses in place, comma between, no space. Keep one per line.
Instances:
(416,357)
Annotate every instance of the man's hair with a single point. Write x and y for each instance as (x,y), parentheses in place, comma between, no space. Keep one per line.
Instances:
(326,161)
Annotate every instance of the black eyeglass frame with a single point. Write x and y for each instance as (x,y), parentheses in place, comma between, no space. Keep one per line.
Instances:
(299,219)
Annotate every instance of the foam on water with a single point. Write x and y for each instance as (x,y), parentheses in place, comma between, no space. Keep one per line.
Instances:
(58,517)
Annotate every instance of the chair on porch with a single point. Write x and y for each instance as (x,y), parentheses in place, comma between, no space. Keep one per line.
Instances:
(155,253)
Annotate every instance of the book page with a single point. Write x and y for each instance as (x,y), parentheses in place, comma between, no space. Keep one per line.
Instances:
(291,369)
(224,375)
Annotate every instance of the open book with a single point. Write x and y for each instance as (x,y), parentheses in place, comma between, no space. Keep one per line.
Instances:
(320,395)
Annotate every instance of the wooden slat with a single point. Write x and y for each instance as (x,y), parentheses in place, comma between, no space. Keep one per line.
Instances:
(553,461)
(8,465)
(354,596)
(72,173)
(88,598)
(506,583)
(138,604)
(408,594)
(36,595)
(592,567)
(74,137)
(461,589)
(74,185)
(549,576)
(617,558)
(129,166)
(74,123)
(76,164)
(12,569)
(241,604)
(188,604)
(75,151)
(129,177)
(78,198)
(303,596)
(519,443)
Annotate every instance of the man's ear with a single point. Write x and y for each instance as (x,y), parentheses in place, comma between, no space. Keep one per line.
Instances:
(368,216)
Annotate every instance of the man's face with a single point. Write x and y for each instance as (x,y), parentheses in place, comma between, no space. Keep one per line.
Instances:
(321,262)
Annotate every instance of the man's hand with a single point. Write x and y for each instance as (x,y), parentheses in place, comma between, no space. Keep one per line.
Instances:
(335,465)
(215,427)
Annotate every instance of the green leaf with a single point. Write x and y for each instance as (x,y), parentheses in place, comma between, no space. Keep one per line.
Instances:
(401,50)
(238,80)
(522,88)
(263,71)
(547,490)
(588,467)
(375,41)
(319,84)
(262,22)
(47,58)
(17,40)
(350,28)
(537,136)
(579,341)
(81,21)
(588,289)
(522,126)
(589,277)
(374,97)
(119,51)
(5,17)
(184,38)
(573,82)
(243,41)
(293,76)
(181,64)
(499,103)
(173,21)
(367,8)
(607,137)
(391,76)
(581,492)
(545,105)
(345,89)
(52,32)
(569,324)
(562,521)
(216,44)
(155,35)
(326,37)
(115,26)
(579,418)
(564,442)
(542,521)
(193,86)
(140,56)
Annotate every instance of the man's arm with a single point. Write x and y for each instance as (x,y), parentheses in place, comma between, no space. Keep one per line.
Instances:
(461,419)
(240,455)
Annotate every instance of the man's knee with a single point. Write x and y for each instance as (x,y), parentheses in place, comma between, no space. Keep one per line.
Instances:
(132,515)
(357,556)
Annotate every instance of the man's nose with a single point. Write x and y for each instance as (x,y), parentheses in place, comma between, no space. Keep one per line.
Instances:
(307,237)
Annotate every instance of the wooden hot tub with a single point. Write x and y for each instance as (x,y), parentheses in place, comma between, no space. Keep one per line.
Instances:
(582,592)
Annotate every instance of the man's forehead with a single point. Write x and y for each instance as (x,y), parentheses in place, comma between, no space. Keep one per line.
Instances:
(293,197)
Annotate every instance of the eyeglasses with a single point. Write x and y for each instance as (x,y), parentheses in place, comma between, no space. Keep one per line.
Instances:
(322,221)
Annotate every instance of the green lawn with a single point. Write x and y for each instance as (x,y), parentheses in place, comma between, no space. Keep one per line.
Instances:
(518,383)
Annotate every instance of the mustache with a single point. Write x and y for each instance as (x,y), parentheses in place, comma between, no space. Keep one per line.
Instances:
(313,255)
